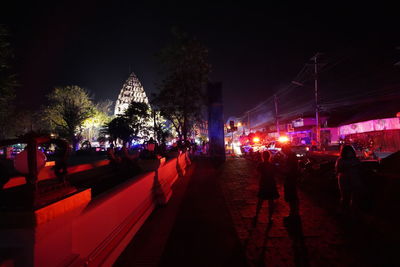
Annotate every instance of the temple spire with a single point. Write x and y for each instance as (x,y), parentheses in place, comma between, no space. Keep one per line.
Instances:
(132,90)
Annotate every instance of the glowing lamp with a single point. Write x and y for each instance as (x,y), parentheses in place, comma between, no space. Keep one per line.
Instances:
(239,124)
(256,139)
(283,139)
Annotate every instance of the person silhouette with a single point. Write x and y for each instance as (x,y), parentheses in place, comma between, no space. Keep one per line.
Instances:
(349,179)
(290,176)
(267,186)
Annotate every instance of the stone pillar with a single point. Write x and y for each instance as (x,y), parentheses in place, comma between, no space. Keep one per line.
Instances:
(216,121)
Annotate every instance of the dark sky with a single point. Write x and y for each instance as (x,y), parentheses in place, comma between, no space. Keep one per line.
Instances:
(255,49)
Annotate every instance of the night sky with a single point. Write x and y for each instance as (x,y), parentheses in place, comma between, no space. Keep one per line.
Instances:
(254,49)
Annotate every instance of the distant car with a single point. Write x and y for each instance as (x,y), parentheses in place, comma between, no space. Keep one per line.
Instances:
(258,148)
(246,149)
(300,151)
(16,151)
(273,151)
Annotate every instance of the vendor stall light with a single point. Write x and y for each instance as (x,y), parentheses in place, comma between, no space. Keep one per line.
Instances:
(256,139)
(283,139)
(50,164)
(239,124)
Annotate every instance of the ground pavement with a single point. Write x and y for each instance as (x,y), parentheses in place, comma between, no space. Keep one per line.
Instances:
(322,238)
(195,228)
(208,222)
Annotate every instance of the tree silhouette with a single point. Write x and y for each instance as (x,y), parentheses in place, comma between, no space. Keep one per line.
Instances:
(185,69)
(8,82)
(132,125)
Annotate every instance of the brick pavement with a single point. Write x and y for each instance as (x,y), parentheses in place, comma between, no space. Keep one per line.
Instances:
(208,222)
(317,241)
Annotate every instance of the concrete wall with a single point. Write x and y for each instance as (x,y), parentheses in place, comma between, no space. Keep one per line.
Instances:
(94,234)
(47,172)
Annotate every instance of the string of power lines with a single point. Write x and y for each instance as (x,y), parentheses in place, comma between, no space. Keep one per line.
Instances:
(298,97)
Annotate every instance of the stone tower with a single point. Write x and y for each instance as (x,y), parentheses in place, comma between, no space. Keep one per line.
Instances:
(132,90)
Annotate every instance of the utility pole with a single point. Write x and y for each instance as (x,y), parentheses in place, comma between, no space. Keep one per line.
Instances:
(317,125)
(276,114)
(248,121)
(233,151)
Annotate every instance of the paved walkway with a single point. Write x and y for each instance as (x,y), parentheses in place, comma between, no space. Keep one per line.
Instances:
(322,238)
(208,222)
(194,229)
(315,241)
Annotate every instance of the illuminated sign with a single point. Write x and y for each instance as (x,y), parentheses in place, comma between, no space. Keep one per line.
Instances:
(370,126)
(303,122)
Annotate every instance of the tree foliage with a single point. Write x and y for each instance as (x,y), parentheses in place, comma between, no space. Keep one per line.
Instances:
(139,115)
(105,107)
(132,125)
(69,107)
(91,126)
(8,83)
(180,97)
(119,128)
(160,128)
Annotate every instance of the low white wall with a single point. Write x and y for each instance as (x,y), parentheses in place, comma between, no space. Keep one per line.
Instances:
(96,234)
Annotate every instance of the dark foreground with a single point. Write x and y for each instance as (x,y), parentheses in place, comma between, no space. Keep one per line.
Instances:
(208,222)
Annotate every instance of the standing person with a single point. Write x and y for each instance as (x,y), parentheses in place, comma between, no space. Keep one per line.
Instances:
(267,186)
(290,176)
(63,150)
(151,145)
(162,149)
(313,145)
(348,173)
(194,147)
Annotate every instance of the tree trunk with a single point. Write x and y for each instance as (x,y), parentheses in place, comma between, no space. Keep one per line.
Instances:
(184,130)
(74,142)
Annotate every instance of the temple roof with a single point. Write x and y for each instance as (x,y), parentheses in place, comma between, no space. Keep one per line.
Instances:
(132,90)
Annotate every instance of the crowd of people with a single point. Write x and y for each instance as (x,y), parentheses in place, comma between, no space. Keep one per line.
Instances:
(150,149)
(348,169)
(269,171)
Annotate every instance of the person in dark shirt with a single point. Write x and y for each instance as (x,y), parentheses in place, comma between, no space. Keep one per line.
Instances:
(62,153)
(290,176)
(348,168)
(267,186)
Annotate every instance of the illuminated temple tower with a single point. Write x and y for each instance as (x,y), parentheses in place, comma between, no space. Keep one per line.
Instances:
(132,90)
